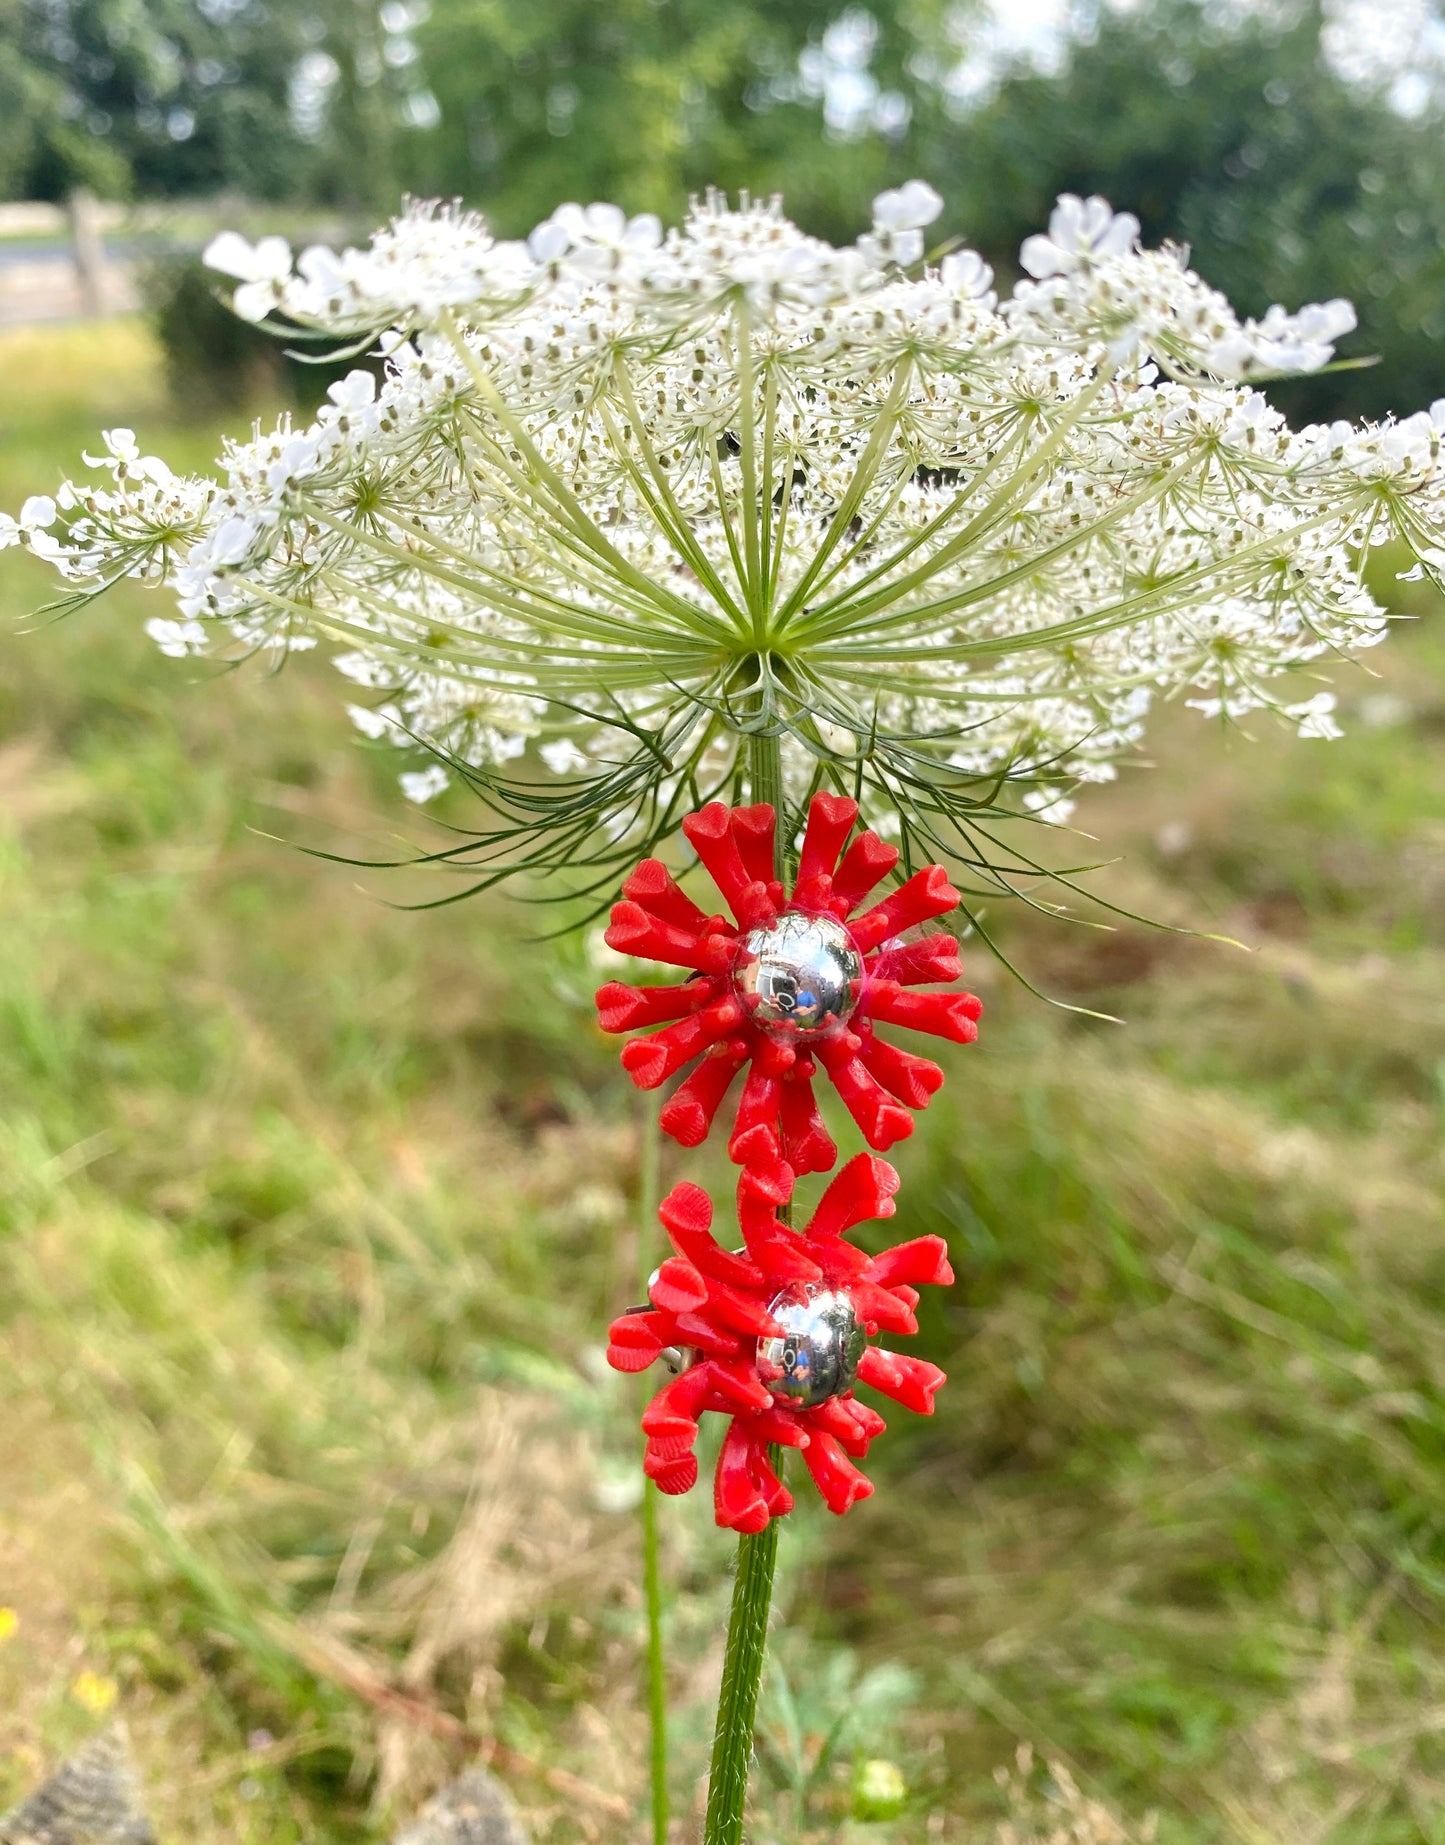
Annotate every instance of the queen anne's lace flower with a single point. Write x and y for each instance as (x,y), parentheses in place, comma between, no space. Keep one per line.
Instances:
(637,491)
(32,528)
(787,986)
(262,271)
(1081,232)
(776,1336)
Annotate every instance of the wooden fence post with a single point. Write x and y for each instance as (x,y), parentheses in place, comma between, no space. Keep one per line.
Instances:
(91,264)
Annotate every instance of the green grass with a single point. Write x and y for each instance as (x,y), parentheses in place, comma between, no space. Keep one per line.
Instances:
(312,1213)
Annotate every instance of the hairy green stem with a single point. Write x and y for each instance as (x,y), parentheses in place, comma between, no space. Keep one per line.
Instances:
(656,1672)
(647,1190)
(732,1750)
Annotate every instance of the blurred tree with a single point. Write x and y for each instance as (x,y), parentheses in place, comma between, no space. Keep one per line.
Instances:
(644,101)
(35,117)
(1236,135)
(359,98)
(159,98)
(155,97)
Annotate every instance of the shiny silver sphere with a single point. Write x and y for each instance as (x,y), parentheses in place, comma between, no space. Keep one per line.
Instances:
(800,977)
(818,1353)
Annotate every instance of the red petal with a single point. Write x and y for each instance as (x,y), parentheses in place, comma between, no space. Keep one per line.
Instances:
(630,1358)
(913,1382)
(689,1113)
(686,1214)
(781,1426)
(883,1308)
(633,932)
(679,1288)
(740,1313)
(634,1340)
(927,893)
(862,1190)
(945,1015)
(840,1262)
(754,829)
(759,1106)
(879,1117)
(653,886)
(864,863)
(923,1260)
(710,834)
(686,1209)
(673,1444)
(912,1079)
(672,1477)
(869,1421)
(704,1334)
(776,1496)
(760,1150)
(807,1145)
(779,1252)
(650,1061)
(834,1475)
(736,1385)
(737,1496)
(624,1008)
(840,1418)
(670,1420)
(767,1173)
(917,964)
(830,820)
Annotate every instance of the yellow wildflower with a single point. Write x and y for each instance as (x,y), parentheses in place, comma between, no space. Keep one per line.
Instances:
(94,1692)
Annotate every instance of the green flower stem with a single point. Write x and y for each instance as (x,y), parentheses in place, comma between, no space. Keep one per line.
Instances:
(656,1672)
(647,1190)
(765,783)
(732,1750)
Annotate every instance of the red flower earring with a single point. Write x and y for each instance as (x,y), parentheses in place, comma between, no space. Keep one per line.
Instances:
(787,986)
(776,1339)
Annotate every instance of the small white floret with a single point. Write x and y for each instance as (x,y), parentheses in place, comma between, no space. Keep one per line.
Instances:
(422,785)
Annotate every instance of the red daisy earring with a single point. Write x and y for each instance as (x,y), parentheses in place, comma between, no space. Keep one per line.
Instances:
(786,986)
(776,1338)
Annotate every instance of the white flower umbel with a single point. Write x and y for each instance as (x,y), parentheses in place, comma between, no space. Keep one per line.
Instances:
(626,495)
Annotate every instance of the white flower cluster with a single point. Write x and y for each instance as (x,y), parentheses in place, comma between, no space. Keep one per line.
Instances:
(631,493)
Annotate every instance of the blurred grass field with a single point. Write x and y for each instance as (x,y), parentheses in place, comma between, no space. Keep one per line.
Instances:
(313,1211)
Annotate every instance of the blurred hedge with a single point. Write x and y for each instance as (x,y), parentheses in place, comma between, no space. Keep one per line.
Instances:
(216,362)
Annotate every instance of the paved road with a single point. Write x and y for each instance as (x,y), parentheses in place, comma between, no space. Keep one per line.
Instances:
(25,253)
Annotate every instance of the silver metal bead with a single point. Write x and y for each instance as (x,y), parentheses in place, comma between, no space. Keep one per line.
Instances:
(818,1353)
(799,978)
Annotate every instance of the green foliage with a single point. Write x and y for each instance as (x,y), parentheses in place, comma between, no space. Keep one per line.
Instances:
(215,362)
(646,102)
(266,99)
(218,363)
(822,1724)
(152,99)
(38,129)
(1239,141)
